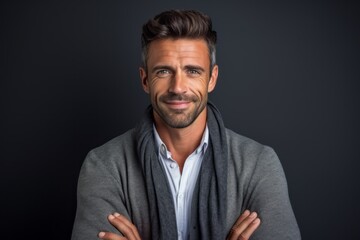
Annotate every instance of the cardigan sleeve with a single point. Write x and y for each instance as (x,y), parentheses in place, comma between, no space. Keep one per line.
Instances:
(268,195)
(99,194)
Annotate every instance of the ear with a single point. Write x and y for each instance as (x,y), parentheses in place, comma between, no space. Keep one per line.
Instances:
(213,78)
(144,79)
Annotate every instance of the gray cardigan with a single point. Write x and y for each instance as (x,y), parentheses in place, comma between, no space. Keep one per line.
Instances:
(111,180)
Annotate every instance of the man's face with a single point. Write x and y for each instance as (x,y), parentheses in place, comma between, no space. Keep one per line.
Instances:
(178,79)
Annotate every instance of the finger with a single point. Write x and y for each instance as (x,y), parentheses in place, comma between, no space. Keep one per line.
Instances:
(246,234)
(110,236)
(246,222)
(245,214)
(123,225)
(128,223)
(238,229)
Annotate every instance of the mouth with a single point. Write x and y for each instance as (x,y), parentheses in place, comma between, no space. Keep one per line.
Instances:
(177,104)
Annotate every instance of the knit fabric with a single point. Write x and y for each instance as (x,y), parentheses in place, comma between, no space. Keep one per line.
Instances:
(113,179)
(212,183)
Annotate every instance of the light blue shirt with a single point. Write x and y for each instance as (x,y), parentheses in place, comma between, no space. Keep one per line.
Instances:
(182,185)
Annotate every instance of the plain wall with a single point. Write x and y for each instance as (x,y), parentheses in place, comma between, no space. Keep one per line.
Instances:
(289,78)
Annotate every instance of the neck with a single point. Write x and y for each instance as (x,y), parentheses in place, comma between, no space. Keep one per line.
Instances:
(181,142)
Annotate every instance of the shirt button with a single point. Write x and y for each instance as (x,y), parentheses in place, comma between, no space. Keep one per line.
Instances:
(163,150)
(173,165)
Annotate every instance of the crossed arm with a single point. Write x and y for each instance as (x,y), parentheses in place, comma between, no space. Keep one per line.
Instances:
(243,228)
(98,194)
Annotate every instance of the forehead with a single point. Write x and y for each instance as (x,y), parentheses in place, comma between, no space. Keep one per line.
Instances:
(168,50)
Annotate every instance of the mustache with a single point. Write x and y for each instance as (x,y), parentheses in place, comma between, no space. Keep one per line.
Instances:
(178,97)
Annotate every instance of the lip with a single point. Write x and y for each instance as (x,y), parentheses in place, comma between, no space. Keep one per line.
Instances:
(177,104)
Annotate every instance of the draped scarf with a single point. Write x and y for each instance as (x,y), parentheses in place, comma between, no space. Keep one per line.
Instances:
(209,202)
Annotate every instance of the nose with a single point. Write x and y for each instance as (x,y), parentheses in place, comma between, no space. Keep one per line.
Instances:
(178,84)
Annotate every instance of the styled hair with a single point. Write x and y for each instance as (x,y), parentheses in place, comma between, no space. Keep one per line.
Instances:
(179,24)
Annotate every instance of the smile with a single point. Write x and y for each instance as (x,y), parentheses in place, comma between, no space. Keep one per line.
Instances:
(176,104)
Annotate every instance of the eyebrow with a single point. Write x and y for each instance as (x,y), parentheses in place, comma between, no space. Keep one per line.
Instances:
(187,67)
(194,67)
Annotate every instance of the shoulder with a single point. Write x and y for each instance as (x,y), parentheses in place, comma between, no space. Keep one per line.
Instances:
(119,144)
(238,143)
(115,152)
(246,153)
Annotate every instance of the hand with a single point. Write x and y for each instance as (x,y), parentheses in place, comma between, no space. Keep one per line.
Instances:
(245,226)
(122,224)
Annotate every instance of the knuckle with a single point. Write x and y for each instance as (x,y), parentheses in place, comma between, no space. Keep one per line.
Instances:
(242,237)
(237,231)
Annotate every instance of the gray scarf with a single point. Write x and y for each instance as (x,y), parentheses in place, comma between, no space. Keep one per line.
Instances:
(209,200)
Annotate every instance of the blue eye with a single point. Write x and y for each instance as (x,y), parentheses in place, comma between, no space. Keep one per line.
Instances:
(193,72)
(163,73)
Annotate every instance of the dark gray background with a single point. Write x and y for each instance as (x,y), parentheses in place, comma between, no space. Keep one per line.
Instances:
(289,78)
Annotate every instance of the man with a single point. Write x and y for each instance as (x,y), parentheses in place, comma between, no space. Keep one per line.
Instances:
(180,174)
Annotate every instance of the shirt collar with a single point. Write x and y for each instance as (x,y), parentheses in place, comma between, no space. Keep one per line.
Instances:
(162,149)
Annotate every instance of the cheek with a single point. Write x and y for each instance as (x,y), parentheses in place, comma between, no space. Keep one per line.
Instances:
(200,86)
(156,88)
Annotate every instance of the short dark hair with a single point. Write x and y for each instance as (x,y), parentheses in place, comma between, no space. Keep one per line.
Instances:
(179,24)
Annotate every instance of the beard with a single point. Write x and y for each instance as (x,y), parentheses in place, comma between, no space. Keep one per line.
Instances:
(179,118)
